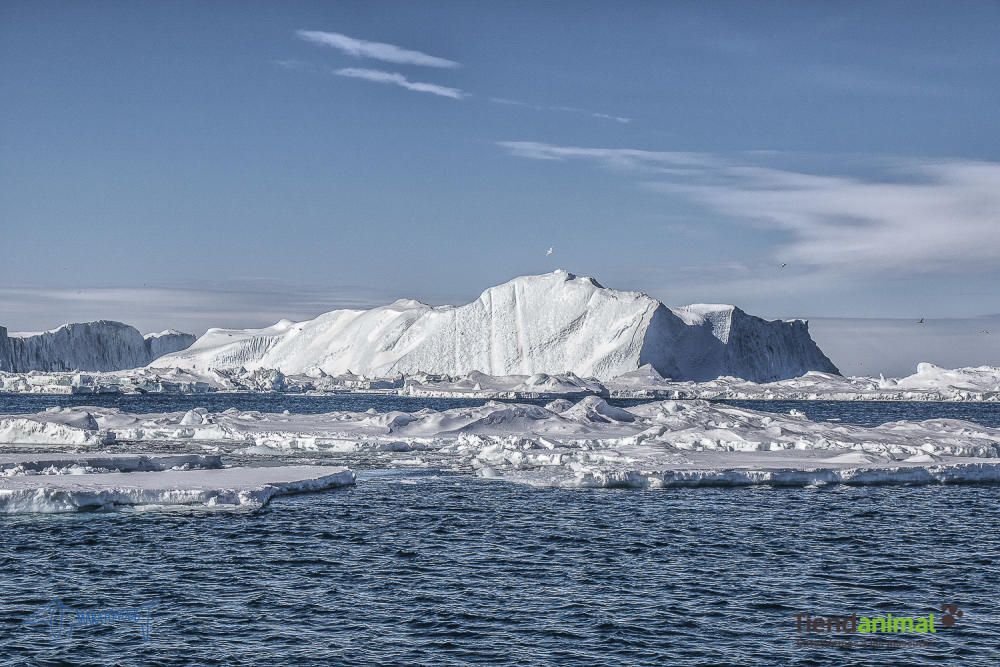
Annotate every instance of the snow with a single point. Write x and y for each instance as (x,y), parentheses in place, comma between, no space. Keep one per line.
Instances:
(213,488)
(589,443)
(92,346)
(554,323)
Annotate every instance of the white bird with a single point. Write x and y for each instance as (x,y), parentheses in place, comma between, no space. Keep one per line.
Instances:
(549,252)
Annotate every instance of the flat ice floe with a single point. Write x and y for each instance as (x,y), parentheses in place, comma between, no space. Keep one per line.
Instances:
(216,488)
(68,464)
(589,443)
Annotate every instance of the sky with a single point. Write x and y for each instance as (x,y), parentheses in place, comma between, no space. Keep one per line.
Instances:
(193,164)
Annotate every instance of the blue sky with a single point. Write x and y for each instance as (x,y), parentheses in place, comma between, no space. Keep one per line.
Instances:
(197,164)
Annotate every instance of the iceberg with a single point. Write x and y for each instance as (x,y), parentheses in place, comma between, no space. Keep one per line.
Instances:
(165,342)
(551,324)
(92,346)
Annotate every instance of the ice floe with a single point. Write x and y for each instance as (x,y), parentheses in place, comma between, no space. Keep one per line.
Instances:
(57,463)
(589,443)
(211,487)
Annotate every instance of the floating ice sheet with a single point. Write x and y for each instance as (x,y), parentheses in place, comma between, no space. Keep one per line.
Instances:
(212,488)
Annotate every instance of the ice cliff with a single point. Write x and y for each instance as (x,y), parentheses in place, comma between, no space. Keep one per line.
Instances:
(91,346)
(165,342)
(552,323)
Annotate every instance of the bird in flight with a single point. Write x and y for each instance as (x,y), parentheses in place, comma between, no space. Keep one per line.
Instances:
(549,251)
(783,265)
(920,321)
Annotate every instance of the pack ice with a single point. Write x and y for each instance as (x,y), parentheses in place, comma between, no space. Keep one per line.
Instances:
(584,444)
(552,323)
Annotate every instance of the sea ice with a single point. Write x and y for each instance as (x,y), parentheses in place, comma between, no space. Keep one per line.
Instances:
(212,488)
(58,463)
(589,443)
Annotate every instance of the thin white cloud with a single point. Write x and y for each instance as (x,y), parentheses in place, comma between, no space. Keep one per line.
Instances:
(542,107)
(397,79)
(913,217)
(360,48)
(620,158)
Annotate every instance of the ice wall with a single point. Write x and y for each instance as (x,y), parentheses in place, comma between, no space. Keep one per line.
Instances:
(165,342)
(92,346)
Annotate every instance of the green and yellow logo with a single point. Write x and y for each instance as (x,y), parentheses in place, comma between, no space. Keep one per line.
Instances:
(885,624)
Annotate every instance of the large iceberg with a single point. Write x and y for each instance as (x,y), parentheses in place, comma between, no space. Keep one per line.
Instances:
(552,323)
(91,346)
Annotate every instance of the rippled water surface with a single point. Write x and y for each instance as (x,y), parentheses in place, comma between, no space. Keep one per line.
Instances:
(433,569)
(419,567)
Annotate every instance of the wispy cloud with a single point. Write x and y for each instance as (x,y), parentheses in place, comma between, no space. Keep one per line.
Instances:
(575,110)
(620,158)
(397,79)
(913,216)
(360,48)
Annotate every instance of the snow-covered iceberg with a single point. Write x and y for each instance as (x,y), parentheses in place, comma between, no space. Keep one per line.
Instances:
(92,346)
(552,323)
(213,488)
(589,443)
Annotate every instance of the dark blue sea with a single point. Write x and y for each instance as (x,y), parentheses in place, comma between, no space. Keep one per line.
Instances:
(422,567)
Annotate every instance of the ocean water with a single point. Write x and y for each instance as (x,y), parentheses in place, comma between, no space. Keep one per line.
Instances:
(424,567)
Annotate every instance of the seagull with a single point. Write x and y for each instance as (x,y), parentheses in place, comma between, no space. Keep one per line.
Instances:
(549,251)
(920,321)
(783,265)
